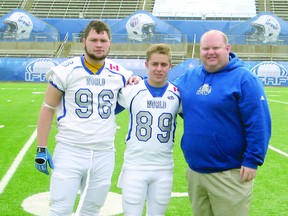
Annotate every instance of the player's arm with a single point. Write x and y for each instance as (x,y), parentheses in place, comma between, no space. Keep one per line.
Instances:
(51,100)
(124,98)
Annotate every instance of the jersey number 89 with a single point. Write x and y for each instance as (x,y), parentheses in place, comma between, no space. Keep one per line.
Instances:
(144,130)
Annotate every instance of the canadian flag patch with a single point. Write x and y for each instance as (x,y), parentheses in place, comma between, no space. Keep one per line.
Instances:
(114,67)
(175,89)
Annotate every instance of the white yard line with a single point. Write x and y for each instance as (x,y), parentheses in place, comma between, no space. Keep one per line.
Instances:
(277,101)
(23,88)
(271,147)
(278,151)
(5,180)
(38,92)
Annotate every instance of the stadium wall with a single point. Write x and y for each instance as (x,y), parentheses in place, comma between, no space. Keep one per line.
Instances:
(34,69)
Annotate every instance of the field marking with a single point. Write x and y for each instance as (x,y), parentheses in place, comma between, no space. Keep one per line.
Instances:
(283,102)
(38,92)
(278,91)
(30,88)
(5,180)
(271,147)
(278,151)
(38,204)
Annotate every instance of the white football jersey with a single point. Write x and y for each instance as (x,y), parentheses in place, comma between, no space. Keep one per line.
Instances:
(152,124)
(85,116)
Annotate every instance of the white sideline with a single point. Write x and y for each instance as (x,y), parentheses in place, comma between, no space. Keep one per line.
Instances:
(5,180)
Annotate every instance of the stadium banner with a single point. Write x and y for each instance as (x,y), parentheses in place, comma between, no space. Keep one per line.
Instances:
(271,73)
(264,28)
(33,69)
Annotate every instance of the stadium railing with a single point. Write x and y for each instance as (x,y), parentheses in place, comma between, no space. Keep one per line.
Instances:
(8,5)
(261,52)
(280,8)
(85,9)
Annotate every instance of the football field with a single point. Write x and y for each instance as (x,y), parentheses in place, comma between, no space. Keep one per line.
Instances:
(25,191)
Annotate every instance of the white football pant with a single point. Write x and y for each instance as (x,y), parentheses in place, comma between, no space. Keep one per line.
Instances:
(153,186)
(87,170)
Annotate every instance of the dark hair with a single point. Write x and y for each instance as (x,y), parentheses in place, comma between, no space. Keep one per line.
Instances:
(98,26)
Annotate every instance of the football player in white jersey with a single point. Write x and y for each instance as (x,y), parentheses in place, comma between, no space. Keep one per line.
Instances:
(153,104)
(83,91)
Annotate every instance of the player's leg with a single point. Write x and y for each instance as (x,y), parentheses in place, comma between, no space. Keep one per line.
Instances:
(96,184)
(134,191)
(66,177)
(159,193)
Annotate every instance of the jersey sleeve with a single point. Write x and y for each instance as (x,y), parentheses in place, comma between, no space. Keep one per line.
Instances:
(55,80)
(116,68)
(180,110)
(127,94)
(124,96)
(175,91)
(57,76)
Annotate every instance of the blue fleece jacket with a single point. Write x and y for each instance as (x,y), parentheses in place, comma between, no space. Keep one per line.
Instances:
(226,118)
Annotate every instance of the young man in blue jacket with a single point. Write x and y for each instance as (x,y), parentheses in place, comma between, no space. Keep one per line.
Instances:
(227,127)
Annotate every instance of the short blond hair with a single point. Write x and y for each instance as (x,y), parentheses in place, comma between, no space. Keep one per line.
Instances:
(159,48)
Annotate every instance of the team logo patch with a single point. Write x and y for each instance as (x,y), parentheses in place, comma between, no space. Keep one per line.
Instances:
(205,89)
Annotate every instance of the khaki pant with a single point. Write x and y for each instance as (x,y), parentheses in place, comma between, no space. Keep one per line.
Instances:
(219,194)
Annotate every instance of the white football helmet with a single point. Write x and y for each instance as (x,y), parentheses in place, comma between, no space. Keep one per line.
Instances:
(140,27)
(18,26)
(266,29)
